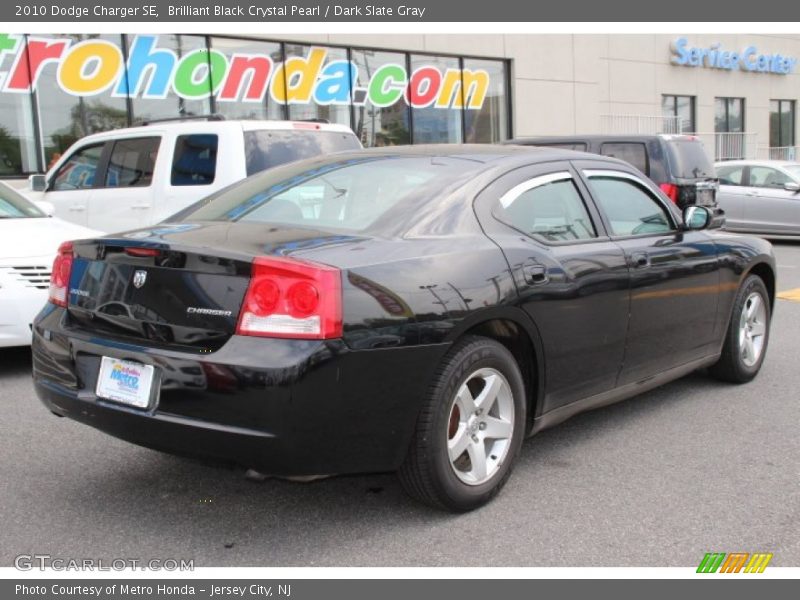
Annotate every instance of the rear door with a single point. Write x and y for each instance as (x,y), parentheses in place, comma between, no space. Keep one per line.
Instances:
(571,278)
(734,194)
(674,274)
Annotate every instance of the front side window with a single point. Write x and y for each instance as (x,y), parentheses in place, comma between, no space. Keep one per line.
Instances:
(767,177)
(549,207)
(131,163)
(629,207)
(79,170)
(195,159)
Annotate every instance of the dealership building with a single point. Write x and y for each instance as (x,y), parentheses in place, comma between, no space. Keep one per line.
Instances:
(737,92)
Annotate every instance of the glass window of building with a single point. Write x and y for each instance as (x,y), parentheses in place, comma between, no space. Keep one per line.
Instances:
(169,76)
(245,93)
(18,155)
(485,116)
(781,123)
(436,94)
(67,117)
(729,115)
(329,99)
(681,107)
(380,76)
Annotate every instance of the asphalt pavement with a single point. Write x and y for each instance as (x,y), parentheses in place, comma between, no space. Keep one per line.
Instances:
(659,480)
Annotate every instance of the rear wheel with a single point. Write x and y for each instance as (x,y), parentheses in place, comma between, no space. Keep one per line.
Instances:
(470,428)
(748,334)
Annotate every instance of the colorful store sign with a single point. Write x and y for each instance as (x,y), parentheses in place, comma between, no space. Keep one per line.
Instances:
(94,66)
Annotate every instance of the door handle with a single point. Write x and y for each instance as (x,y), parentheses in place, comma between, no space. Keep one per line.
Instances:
(77,207)
(640,260)
(535,274)
(752,193)
(140,206)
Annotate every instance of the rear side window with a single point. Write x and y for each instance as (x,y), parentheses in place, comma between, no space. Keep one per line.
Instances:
(132,161)
(631,152)
(195,159)
(78,172)
(731,175)
(689,160)
(551,207)
(266,148)
(629,208)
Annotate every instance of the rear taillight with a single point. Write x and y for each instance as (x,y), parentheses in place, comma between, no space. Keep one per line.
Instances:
(289,298)
(671,190)
(59,279)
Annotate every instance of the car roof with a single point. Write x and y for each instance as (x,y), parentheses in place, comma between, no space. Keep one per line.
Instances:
(757,163)
(198,125)
(615,137)
(487,153)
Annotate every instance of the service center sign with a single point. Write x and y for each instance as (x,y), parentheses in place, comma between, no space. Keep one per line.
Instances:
(94,66)
(717,57)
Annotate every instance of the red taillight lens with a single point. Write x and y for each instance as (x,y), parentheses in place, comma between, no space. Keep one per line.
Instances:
(671,190)
(289,298)
(59,278)
(142,252)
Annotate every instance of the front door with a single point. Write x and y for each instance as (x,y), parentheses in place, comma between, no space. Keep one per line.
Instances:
(674,274)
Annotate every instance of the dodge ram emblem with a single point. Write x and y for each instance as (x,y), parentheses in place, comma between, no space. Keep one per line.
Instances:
(139,278)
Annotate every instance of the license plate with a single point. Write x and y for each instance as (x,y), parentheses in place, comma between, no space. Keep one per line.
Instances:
(125,382)
(705,197)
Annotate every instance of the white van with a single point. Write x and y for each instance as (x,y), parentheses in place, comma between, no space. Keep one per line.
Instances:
(129,178)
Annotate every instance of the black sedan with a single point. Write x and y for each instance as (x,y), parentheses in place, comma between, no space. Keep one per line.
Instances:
(418,309)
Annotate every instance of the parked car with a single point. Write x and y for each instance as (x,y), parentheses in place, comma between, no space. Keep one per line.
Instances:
(521,286)
(29,240)
(135,177)
(678,164)
(760,196)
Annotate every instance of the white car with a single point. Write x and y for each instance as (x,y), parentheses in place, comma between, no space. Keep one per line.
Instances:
(29,239)
(135,177)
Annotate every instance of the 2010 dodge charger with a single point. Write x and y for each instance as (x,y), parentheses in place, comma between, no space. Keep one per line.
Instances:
(419,309)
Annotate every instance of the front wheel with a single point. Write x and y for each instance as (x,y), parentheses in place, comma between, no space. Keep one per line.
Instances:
(470,428)
(748,334)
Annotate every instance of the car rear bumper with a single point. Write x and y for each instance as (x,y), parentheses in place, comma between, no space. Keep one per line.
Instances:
(284,407)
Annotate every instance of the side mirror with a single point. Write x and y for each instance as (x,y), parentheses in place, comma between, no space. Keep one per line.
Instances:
(38,183)
(791,186)
(696,218)
(46,207)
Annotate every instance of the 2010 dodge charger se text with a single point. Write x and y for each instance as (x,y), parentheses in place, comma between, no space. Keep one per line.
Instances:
(419,309)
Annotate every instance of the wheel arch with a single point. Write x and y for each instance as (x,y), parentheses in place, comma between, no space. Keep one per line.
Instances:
(515,330)
(767,275)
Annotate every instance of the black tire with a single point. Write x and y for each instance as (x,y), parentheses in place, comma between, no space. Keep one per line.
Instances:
(427,473)
(731,365)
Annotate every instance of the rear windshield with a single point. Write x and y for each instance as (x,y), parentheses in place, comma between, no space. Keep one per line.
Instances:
(689,160)
(266,148)
(350,194)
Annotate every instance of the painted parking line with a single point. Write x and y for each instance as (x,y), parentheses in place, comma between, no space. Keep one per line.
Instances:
(793,295)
